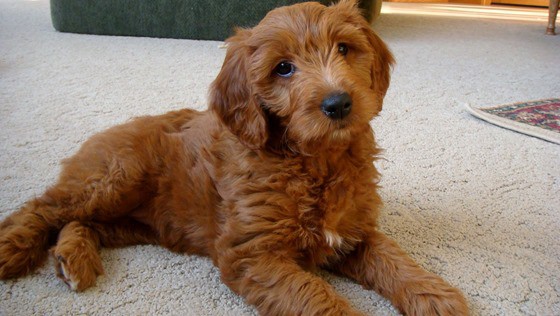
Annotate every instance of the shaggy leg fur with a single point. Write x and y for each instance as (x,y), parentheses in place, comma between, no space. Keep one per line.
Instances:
(76,256)
(103,182)
(77,251)
(27,234)
(380,264)
(279,286)
(24,239)
(95,184)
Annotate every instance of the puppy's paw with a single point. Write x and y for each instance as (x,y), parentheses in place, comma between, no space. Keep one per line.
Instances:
(21,251)
(435,297)
(77,267)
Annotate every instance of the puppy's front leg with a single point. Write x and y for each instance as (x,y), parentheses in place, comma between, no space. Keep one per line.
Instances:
(277,285)
(380,264)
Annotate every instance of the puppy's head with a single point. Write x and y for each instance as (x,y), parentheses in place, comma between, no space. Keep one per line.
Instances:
(306,75)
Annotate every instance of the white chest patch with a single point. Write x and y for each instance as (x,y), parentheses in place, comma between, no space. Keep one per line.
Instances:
(333,239)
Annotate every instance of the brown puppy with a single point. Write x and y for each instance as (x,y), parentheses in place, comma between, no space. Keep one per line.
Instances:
(274,180)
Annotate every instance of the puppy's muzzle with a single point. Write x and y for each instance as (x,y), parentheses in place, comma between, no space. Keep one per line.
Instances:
(337,106)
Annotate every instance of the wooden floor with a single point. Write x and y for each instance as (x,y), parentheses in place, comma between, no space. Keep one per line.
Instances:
(500,12)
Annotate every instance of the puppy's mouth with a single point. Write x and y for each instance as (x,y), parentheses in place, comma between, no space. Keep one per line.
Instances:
(338,125)
(341,130)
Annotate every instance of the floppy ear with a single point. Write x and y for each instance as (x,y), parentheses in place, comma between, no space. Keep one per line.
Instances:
(232,98)
(383,60)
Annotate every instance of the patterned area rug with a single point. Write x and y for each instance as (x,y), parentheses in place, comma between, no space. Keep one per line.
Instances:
(536,118)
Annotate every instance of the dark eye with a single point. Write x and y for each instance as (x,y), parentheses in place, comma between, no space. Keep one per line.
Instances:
(285,69)
(342,49)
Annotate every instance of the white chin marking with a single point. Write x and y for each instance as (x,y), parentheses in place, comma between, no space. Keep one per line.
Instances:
(333,239)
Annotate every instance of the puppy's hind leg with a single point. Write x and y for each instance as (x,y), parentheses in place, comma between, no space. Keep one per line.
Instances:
(24,240)
(76,253)
(106,179)
(81,194)
(112,174)
(76,256)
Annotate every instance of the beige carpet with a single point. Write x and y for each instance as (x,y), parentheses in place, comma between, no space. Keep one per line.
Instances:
(475,203)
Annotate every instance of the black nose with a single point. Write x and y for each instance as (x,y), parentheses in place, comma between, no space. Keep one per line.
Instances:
(337,106)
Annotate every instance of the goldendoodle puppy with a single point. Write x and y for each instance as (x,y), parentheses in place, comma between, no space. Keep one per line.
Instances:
(274,180)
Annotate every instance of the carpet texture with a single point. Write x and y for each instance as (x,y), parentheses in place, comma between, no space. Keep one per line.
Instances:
(539,118)
(474,203)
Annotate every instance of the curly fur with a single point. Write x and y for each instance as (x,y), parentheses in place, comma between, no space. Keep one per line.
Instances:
(264,183)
